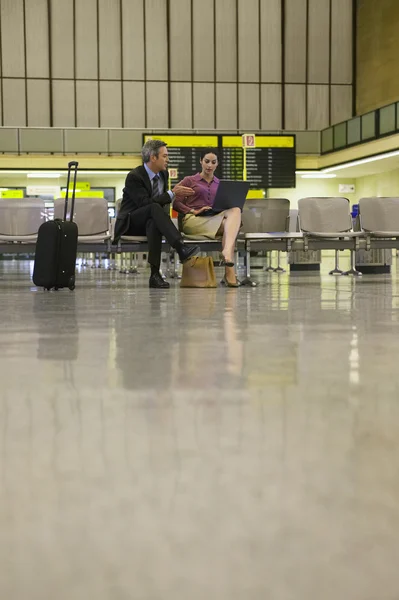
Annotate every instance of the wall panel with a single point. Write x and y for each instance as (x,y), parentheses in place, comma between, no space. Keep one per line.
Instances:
(12,38)
(318,107)
(62,32)
(133,45)
(203,41)
(271,106)
(110,104)
(248,104)
(38,93)
(248,40)
(181,63)
(204,105)
(37,42)
(377,56)
(341,103)
(86,40)
(226,40)
(226,106)
(181,105)
(295,41)
(110,39)
(295,107)
(156,48)
(63,103)
(14,105)
(180,40)
(157,104)
(134,104)
(318,41)
(270,42)
(341,41)
(87,104)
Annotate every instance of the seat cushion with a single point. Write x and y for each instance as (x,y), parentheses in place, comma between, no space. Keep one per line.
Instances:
(385,234)
(200,238)
(133,238)
(18,238)
(93,239)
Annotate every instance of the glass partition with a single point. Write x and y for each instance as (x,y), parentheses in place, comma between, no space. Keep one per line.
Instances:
(368,126)
(373,125)
(354,131)
(388,119)
(340,136)
(327,140)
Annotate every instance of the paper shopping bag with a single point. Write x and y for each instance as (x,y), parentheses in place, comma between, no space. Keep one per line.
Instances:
(199,272)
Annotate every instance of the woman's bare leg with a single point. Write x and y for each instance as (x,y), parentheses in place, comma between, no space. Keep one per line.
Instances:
(231,227)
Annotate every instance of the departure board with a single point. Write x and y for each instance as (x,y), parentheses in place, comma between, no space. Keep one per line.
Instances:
(185,152)
(271,164)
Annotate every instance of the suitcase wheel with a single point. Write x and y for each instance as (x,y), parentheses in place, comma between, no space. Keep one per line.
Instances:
(71,283)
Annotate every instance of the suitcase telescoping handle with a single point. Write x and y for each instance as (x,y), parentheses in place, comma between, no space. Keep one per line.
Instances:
(71,165)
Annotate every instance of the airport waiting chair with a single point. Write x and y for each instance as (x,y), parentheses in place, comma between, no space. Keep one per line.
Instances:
(265,220)
(20,219)
(379,216)
(131,245)
(92,218)
(329,218)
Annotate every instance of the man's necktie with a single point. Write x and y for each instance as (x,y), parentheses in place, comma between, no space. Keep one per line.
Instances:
(155,187)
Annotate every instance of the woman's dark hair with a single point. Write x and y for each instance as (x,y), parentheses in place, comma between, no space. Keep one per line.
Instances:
(206,151)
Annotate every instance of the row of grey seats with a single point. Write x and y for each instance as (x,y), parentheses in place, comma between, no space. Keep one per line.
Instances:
(321,223)
(20,219)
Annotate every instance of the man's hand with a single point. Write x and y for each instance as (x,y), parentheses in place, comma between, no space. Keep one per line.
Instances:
(181,192)
(199,211)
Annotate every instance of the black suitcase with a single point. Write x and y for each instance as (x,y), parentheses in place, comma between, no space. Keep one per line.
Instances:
(56,246)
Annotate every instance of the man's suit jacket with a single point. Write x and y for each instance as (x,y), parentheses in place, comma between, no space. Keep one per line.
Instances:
(137,193)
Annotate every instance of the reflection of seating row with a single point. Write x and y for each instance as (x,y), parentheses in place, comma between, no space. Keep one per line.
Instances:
(323,224)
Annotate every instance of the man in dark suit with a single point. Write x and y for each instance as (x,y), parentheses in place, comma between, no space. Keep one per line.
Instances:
(142,210)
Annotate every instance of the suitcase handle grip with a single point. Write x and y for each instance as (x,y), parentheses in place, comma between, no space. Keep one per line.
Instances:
(71,165)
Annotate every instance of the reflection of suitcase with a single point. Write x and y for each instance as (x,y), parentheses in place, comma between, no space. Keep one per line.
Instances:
(56,246)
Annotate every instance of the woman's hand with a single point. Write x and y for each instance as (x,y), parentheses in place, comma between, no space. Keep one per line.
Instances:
(199,211)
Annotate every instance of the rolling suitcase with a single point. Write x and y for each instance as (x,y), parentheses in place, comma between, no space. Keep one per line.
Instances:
(56,246)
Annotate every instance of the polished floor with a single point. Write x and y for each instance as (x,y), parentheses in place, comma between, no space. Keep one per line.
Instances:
(199,444)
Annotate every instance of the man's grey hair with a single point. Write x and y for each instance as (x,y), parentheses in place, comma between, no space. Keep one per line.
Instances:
(151,148)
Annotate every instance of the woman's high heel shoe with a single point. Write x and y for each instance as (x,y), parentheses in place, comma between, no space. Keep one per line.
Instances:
(229,284)
(225,263)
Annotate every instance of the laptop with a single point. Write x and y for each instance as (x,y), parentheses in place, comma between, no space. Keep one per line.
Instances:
(230,194)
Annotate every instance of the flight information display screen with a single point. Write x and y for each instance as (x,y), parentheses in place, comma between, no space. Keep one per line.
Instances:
(271,164)
(184,152)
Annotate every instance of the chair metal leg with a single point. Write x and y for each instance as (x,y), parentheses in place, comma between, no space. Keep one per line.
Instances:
(279,268)
(353,271)
(247,281)
(174,273)
(336,270)
(112,262)
(133,268)
(268,266)
(96,261)
(124,269)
